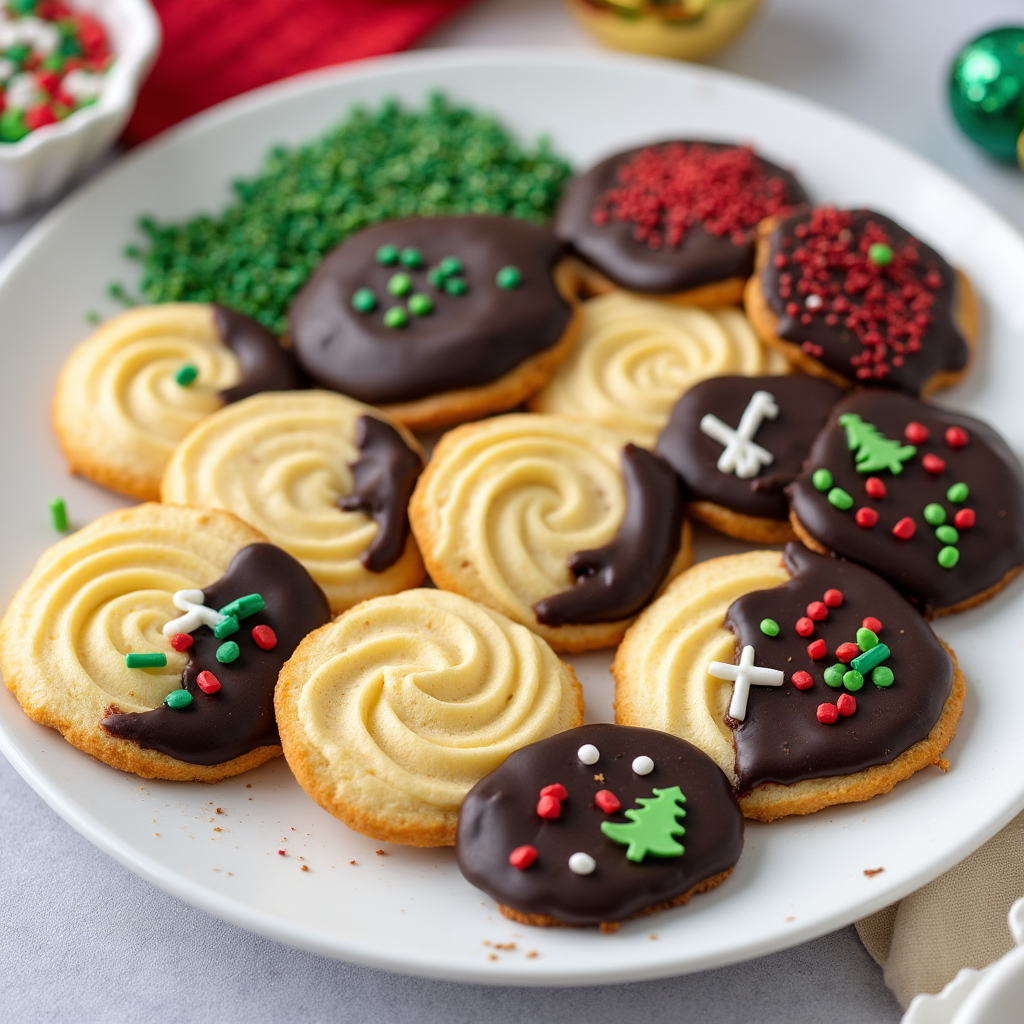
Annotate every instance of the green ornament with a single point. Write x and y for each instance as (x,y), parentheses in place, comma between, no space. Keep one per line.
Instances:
(822,479)
(364,301)
(880,254)
(853,680)
(227,652)
(948,557)
(509,278)
(769,627)
(652,828)
(958,493)
(947,534)
(395,317)
(839,499)
(866,638)
(882,676)
(400,284)
(874,451)
(934,515)
(178,699)
(387,255)
(986,91)
(834,676)
(411,258)
(420,304)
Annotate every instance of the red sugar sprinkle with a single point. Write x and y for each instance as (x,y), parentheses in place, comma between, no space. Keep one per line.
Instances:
(549,807)
(870,622)
(607,801)
(865,517)
(803,680)
(665,190)
(522,857)
(956,437)
(181,641)
(817,611)
(847,652)
(875,488)
(827,713)
(557,790)
(846,705)
(905,528)
(265,637)
(933,464)
(915,433)
(207,682)
(804,626)
(280,853)
(964,519)
(833,598)
(816,650)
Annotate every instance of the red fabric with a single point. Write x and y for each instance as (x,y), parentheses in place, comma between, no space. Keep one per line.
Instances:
(215,49)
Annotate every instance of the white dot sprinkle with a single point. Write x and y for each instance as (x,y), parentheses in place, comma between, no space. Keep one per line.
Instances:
(814,302)
(582,864)
(643,765)
(588,753)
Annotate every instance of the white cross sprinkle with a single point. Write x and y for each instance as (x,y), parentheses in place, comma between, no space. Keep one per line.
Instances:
(741,455)
(196,613)
(743,675)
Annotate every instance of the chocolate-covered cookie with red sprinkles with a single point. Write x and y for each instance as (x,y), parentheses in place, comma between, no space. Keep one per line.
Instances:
(932,500)
(852,296)
(674,219)
(597,825)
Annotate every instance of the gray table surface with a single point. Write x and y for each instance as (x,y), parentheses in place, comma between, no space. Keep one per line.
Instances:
(84,940)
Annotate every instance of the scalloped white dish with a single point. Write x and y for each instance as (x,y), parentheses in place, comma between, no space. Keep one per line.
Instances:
(410,910)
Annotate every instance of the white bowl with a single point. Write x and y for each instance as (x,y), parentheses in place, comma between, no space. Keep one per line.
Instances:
(39,166)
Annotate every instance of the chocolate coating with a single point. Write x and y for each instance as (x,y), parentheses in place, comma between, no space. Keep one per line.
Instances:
(702,258)
(988,550)
(467,341)
(617,580)
(942,345)
(385,475)
(804,403)
(221,726)
(500,814)
(781,739)
(265,364)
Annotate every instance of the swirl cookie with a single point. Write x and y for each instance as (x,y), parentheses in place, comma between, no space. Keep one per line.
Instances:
(438,319)
(635,357)
(931,500)
(675,219)
(808,679)
(152,639)
(553,522)
(322,476)
(597,825)
(851,296)
(737,442)
(129,393)
(390,714)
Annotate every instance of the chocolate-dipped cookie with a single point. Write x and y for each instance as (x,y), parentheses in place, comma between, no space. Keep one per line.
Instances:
(737,442)
(930,499)
(597,825)
(852,296)
(808,679)
(438,319)
(674,219)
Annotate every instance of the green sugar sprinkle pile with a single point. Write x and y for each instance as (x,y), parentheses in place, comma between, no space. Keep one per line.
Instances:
(375,165)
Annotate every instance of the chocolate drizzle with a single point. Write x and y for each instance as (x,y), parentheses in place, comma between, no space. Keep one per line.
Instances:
(265,364)
(781,739)
(804,404)
(500,814)
(239,717)
(385,475)
(616,581)
(466,341)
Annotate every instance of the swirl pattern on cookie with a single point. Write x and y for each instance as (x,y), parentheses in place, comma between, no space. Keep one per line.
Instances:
(281,462)
(636,356)
(392,713)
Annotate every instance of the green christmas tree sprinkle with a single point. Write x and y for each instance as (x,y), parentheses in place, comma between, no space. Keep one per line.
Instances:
(874,451)
(651,828)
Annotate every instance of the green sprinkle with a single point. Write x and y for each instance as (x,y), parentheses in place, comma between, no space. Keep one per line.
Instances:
(411,258)
(186,375)
(769,627)
(839,499)
(387,255)
(93,318)
(948,557)
(12,125)
(958,493)
(155,660)
(178,699)
(227,652)
(934,515)
(880,254)
(509,278)
(226,626)
(853,680)
(456,286)
(18,52)
(882,676)
(243,607)
(834,676)
(866,638)
(58,514)
(395,317)
(364,301)
(420,304)
(450,266)
(400,284)
(873,656)
(436,277)
(947,534)
(822,479)
(55,62)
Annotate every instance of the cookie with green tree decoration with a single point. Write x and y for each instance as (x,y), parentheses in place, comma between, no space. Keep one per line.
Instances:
(652,830)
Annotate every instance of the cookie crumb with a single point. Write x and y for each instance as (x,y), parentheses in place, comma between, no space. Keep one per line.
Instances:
(599,777)
(532,955)
(351,862)
(653,938)
(791,918)
(248,785)
(156,833)
(220,810)
(871,872)
(609,927)
(305,867)
(942,763)
(492,956)
(380,853)
(509,947)
(217,829)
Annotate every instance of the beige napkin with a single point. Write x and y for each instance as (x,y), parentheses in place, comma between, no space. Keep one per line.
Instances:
(959,920)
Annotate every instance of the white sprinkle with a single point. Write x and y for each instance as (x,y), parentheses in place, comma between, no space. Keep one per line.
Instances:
(814,302)
(23,91)
(82,85)
(588,753)
(643,765)
(7,68)
(196,613)
(582,864)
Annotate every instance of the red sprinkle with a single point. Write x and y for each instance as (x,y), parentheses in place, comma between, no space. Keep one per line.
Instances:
(875,488)
(846,705)
(522,857)
(280,853)
(964,519)
(549,807)
(915,433)
(803,680)
(816,650)
(804,626)
(870,622)
(956,437)
(265,637)
(827,713)
(207,682)
(607,801)
(933,464)
(847,652)
(866,517)
(817,610)
(905,528)
(833,598)
(181,641)
(557,790)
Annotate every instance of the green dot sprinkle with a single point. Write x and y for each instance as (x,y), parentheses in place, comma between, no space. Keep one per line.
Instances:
(509,278)
(395,317)
(58,514)
(866,638)
(436,277)
(822,479)
(400,284)
(243,607)
(364,301)
(838,498)
(178,699)
(387,255)
(186,375)
(948,557)
(769,627)
(456,286)
(958,493)
(155,660)
(226,626)
(880,254)
(420,304)
(947,534)
(227,652)
(834,676)
(449,266)
(882,676)
(411,258)
(934,515)
(853,680)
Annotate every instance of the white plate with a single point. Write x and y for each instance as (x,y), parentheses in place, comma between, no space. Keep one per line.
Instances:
(410,910)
